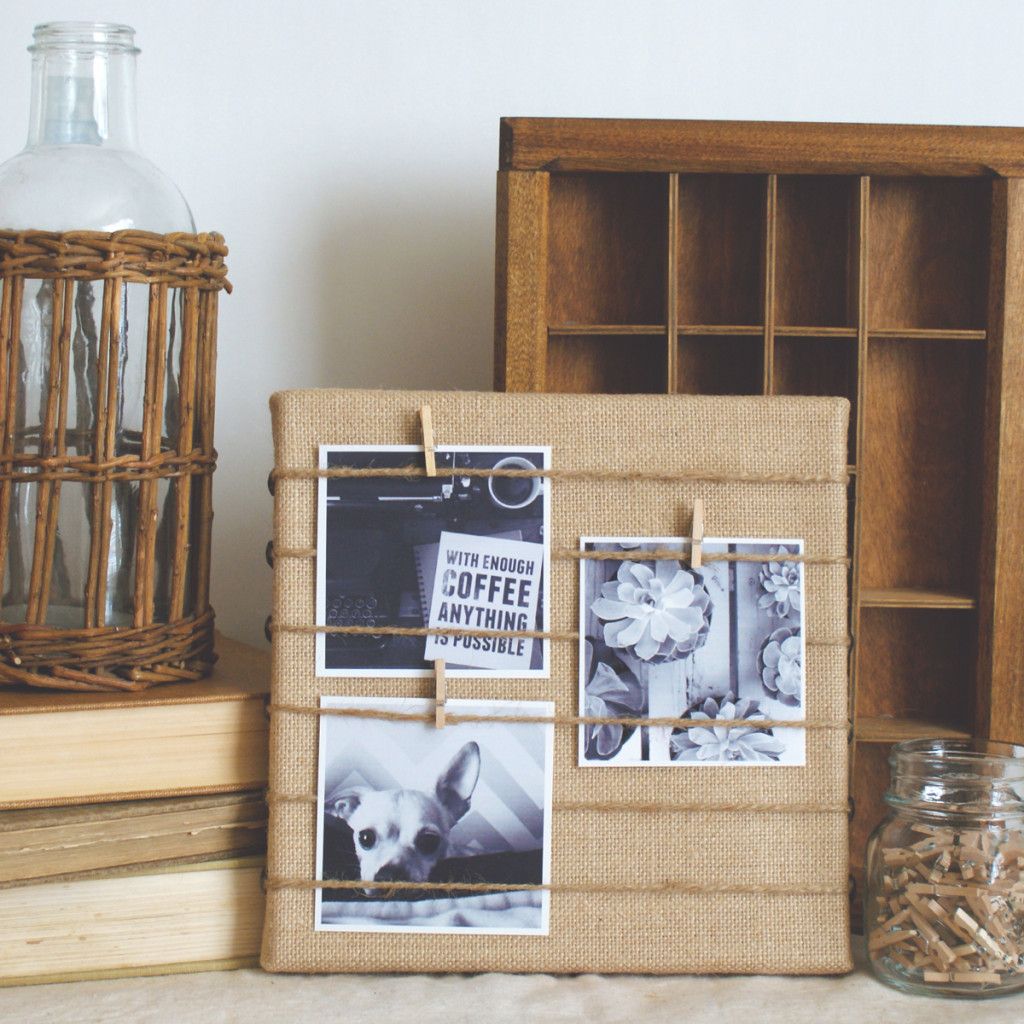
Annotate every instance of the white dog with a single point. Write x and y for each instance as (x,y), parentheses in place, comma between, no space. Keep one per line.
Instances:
(401,834)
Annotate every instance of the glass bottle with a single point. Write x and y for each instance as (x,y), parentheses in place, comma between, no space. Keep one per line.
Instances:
(81,170)
(944,905)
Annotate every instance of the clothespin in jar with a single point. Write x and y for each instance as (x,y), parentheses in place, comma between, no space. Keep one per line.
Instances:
(440,694)
(697,534)
(426,422)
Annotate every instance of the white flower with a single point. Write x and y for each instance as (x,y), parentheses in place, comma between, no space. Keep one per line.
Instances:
(718,743)
(781,663)
(780,581)
(658,614)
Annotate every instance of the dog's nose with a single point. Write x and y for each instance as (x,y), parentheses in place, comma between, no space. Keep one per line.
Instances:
(392,873)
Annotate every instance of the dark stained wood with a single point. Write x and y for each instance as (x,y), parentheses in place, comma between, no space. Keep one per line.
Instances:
(919,467)
(721,251)
(672,284)
(719,365)
(761,147)
(607,248)
(914,663)
(520,281)
(928,236)
(1000,704)
(868,786)
(818,366)
(813,257)
(886,275)
(606,364)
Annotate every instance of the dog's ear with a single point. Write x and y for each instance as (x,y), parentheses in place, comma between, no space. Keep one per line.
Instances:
(342,803)
(458,780)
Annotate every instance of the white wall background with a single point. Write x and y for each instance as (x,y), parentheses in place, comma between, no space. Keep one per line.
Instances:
(347,151)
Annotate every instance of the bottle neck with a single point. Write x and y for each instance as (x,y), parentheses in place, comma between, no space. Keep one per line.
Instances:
(83,87)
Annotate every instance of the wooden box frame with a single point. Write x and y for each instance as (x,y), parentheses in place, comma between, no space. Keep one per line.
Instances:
(884,263)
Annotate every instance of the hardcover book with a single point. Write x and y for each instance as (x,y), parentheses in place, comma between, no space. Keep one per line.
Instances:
(190,738)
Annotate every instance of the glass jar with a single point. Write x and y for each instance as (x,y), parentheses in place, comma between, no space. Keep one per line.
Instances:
(944,905)
(81,170)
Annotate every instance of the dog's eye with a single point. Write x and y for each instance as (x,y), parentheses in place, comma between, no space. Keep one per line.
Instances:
(428,842)
(367,838)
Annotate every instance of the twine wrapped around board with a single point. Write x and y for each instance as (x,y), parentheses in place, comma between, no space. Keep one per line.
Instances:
(710,868)
(129,607)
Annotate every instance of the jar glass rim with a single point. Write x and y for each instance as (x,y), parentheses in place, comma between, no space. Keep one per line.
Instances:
(941,753)
(966,777)
(84,36)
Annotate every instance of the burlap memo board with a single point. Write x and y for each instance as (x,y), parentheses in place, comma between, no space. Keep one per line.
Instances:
(653,869)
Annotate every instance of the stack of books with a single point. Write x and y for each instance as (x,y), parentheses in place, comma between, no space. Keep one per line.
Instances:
(132,827)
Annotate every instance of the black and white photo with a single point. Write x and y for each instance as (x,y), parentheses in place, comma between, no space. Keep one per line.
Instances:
(402,801)
(660,639)
(457,552)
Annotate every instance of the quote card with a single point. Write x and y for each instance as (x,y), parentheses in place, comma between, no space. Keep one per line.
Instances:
(485,583)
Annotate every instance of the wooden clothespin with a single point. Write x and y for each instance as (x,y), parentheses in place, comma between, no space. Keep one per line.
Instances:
(428,441)
(697,534)
(440,694)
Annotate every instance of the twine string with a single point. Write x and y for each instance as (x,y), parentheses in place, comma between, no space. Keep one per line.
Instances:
(638,807)
(568,554)
(383,715)
(655,555)
(595,475)
(458,631)
(669,886)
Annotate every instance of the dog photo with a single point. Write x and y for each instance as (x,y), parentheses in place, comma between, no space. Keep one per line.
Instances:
(456,551)
(405,802)
(725,642)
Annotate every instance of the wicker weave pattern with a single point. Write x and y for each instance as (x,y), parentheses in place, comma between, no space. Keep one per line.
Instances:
(175,260)
(152,649)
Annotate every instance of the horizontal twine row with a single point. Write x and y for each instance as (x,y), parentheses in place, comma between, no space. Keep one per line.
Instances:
(648,807)
(597,475)
(655,555)
(274,882)
(455,717)
(456,631)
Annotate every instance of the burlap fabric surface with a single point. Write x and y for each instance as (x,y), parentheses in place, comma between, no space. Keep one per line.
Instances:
(629,926)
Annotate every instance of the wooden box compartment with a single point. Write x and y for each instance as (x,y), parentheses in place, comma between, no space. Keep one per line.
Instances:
(929,245)
(607,249)
(920,477)
(881,263)
(718,364)
(816,252)
(817,364)
(626,364)
(720,256)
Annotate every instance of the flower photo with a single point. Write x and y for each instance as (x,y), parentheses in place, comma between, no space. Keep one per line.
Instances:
(720,644)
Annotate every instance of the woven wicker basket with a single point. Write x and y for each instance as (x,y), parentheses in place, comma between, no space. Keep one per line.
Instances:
(129,467)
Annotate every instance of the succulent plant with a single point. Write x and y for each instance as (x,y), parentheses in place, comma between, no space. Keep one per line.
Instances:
(611,691)
(658,614)
(780,581)
(780,662)
(719,744)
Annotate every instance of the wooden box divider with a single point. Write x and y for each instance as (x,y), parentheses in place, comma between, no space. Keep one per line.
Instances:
(881,263)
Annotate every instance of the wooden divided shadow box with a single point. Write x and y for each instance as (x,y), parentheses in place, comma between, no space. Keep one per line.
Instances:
(883,263)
